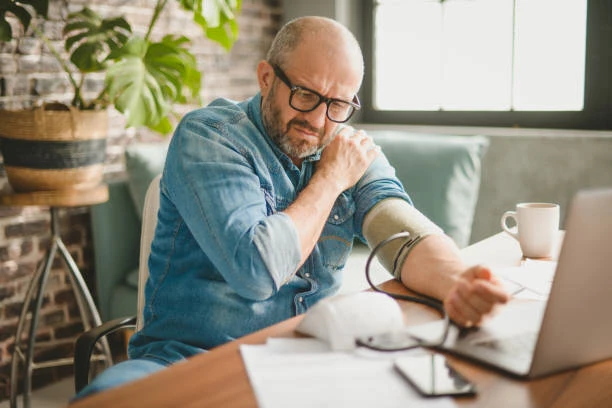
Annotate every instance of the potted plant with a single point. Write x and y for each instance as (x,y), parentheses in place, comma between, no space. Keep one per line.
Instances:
(56,146)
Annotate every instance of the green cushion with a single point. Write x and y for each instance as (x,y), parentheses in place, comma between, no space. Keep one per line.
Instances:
(115,231)
(143,161)
(440,173)
(124,301)
(131,279)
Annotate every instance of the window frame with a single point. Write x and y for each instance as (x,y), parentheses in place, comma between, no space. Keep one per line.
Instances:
(596,114)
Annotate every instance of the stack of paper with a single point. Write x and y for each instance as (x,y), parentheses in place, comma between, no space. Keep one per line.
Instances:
(305,373)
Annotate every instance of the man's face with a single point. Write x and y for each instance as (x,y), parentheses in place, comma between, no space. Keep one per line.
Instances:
(295,136)
(301,134)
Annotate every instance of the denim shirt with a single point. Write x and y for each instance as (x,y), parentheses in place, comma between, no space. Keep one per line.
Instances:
(224,258)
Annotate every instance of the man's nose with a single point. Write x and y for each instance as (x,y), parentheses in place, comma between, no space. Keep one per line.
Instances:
(318,116)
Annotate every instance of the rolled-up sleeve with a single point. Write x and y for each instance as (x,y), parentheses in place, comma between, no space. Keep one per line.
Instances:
(219,192)
(378,183)
(279,259)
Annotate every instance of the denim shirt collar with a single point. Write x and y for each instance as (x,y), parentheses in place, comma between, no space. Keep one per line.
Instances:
(254,113)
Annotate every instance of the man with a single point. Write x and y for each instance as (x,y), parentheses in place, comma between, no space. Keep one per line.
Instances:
(261,200)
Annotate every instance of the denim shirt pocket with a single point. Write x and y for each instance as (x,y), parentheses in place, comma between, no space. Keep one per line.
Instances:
(337,238)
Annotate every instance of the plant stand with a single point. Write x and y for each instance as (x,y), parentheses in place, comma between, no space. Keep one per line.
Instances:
(26,327)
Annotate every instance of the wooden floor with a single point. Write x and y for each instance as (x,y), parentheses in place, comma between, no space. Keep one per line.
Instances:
(52,396)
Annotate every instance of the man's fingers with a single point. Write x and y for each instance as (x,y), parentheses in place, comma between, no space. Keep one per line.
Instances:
(478,272)
(463,310)
(470,301)
(490,291)
(480,304)
(460,313)
(365,141)
(346,131)
(486,285)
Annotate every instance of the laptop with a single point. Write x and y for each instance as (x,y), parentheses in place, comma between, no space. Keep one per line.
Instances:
(574,326)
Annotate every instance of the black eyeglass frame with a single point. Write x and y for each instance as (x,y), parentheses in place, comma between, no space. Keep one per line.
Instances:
(355,104)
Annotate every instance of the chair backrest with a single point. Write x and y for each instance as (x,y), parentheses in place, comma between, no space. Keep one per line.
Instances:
(149,222)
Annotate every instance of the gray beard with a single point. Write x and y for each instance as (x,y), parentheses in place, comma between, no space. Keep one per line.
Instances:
(274,128)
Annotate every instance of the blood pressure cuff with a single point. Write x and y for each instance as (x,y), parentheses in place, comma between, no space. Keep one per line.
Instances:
(392,216)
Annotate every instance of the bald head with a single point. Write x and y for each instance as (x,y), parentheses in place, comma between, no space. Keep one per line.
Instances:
(311,59)
(328,38)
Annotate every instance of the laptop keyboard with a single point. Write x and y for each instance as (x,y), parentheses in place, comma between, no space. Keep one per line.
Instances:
(519,345)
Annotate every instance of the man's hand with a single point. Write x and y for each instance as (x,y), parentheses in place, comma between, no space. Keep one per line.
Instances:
(476,293)
(434,268)
(342,163)
(346,158)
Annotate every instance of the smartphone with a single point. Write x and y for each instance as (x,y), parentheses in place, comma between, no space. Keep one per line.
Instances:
(432,376)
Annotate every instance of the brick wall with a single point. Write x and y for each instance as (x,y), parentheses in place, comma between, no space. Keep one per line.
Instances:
(29,74)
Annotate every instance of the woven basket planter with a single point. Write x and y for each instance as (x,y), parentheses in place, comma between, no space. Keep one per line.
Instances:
(54,147)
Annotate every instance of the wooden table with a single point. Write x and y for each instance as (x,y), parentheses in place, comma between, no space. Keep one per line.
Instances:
(218,378)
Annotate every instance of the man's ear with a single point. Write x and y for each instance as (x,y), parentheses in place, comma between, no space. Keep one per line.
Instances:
(265,76)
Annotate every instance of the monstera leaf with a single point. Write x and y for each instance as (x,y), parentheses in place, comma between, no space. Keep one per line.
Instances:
(148,77)
(19,9)
(90,39)
(218,19)
(144,78)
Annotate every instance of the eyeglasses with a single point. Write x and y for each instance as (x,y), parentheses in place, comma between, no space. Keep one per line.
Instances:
(306,100)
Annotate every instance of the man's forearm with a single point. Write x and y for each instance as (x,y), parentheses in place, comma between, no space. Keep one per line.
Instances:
(428,261)
(310,210)
(433,266)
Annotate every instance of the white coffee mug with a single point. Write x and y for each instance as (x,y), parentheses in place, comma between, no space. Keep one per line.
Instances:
(536,229)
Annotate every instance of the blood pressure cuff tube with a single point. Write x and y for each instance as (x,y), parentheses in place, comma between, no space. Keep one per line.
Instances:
(392,216)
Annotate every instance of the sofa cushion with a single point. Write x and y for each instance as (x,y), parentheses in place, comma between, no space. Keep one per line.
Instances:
(131,279)
(143,161)
(440,173)
(123,301)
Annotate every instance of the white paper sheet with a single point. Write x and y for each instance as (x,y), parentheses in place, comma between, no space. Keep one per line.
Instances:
(305,373)
(532,280)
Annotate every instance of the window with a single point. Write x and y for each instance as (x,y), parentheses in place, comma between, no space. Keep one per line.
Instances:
(529,63)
